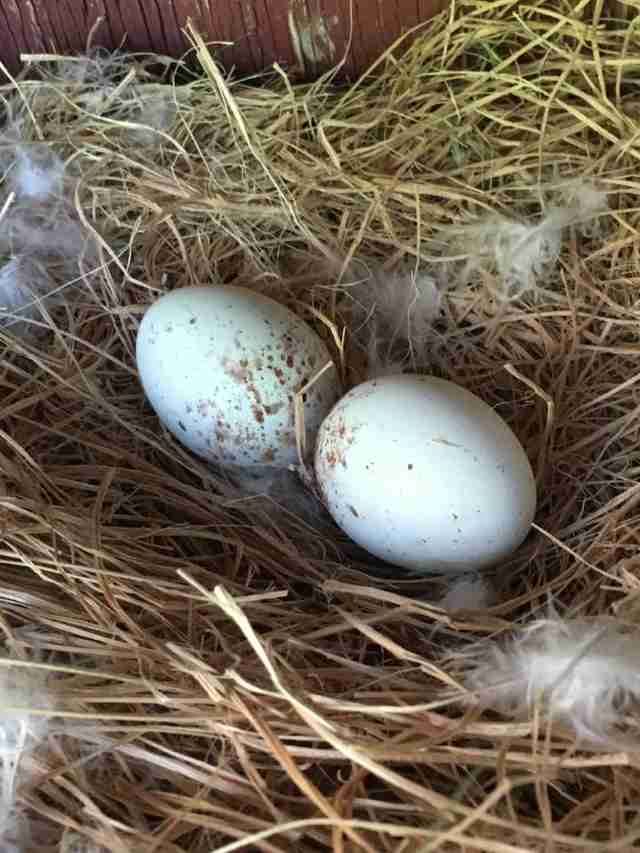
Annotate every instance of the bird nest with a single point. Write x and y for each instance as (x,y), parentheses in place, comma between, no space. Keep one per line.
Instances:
(199,663)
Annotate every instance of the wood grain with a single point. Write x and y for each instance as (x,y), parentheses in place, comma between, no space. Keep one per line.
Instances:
(307,36)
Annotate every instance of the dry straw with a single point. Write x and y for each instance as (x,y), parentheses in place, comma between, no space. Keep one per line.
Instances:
(222,674)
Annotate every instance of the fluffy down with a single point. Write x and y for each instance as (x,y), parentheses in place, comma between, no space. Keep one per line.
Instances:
(582,674)
(468,592)
(514,257)
(393,315)
(22,692)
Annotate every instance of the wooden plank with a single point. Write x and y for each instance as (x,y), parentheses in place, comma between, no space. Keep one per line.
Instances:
(309,36)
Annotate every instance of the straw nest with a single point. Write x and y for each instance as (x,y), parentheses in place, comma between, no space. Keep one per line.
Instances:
(217,672)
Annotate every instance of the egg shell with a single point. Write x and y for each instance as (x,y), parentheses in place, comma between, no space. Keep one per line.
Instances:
(221,367)
(425,475)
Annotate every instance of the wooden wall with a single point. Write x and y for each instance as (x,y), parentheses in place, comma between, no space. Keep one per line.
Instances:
(311,35)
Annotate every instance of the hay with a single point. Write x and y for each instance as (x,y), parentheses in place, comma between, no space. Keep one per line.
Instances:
(226,675)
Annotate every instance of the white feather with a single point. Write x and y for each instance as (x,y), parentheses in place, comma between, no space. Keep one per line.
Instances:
(38,172)
(25,289)
(520,256)
(97,70)
(21,283)
(583,674)
(157,113)
(393,316)
(22,691)
(467,592)
(44,244)
(523,254)
(278,489)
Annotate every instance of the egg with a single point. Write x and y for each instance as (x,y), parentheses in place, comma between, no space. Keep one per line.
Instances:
(221,367)
(425,475)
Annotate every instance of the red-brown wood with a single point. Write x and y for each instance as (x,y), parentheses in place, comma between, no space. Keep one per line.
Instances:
(309,36)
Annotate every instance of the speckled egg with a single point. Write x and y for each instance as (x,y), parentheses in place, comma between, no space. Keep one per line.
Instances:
(221,367)
(425,475)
